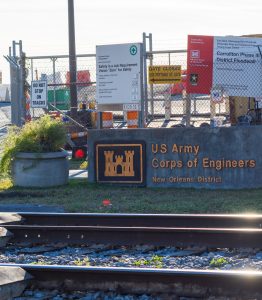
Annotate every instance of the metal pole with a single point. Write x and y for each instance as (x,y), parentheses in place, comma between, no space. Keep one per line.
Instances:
(54,81)
(144,102)
(15,89)
(22,83)
(188,110)
(32,69)
(13,72)
(18,83)
(195,106)
(151,87)
(72,57)
(32,78)
(14,50)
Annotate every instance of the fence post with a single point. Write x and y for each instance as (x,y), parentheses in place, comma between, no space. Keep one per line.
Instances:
(22,83)
(54,80)
(144,101)
(14,95)
(151,87)
(72,58)
(16,83)
(212,109)
(188,110)
(167,108)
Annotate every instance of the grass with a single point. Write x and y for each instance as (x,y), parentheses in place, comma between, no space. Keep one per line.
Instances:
(81,196)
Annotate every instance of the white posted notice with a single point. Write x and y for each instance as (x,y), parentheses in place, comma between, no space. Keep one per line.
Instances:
(39,94)
(118,74)
(238,65)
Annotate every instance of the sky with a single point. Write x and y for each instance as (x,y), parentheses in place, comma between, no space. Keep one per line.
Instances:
(42,24)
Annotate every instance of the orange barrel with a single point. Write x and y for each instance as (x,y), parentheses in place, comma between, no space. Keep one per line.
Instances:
(107,119)
(132,119)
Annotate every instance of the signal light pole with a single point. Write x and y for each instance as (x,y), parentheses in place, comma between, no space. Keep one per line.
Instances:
(72,58)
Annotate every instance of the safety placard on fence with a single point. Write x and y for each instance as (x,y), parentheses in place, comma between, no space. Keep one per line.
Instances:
(164,74)
(118,75)
(39,94)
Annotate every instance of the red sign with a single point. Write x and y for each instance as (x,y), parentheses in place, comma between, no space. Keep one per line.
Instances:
(83,77)
(199,64)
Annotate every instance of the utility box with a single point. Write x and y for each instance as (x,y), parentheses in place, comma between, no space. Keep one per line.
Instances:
(59,98)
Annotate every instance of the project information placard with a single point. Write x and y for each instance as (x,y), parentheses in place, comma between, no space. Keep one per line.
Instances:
(118,76)
(233,63)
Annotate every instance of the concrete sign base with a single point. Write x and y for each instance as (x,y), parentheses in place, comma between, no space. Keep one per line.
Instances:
(213,158)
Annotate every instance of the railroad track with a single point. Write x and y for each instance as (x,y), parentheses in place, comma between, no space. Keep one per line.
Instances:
(179,283)
(225,231)
(134,220)
(231,231)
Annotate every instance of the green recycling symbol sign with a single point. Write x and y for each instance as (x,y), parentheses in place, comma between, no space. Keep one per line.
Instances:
(133,50)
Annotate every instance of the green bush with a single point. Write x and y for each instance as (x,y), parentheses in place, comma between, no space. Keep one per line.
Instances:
(38,136)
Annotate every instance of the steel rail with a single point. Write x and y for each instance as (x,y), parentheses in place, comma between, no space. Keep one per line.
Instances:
(159,236)
(143,220)
(176,281)
(94,55)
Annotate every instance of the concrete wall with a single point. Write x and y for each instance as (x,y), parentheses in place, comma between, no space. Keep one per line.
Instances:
(215,158)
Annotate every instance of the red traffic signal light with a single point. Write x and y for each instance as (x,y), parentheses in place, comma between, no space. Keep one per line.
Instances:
(79,152)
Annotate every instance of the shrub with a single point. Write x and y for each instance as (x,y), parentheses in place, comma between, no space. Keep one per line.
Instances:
(38,136)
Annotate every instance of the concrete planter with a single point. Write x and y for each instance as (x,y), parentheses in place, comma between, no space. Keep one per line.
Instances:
(40,169)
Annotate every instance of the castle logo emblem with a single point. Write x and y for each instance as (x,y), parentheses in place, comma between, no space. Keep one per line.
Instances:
(120,163)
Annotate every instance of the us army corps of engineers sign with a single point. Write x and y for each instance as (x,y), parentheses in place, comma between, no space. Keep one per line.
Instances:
(120,162)
(216,158)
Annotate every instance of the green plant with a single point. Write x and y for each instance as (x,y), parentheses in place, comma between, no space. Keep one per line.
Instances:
(156,261)
(41,262)
(83,262)
(140,262)
(42,135)
(218,262)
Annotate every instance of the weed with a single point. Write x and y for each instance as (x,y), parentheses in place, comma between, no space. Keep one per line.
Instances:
(83,262)
(41,262)
(155,261)
(218,262)
(139,263)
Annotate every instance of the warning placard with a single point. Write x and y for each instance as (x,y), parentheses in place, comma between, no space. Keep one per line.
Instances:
(39,94)
(118,76)
(164,74)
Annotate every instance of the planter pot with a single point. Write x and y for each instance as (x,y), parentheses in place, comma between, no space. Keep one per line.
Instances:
(40,169)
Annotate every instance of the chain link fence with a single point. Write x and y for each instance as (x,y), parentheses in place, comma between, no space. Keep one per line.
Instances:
(170,101)
(165,104)
(55,70)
